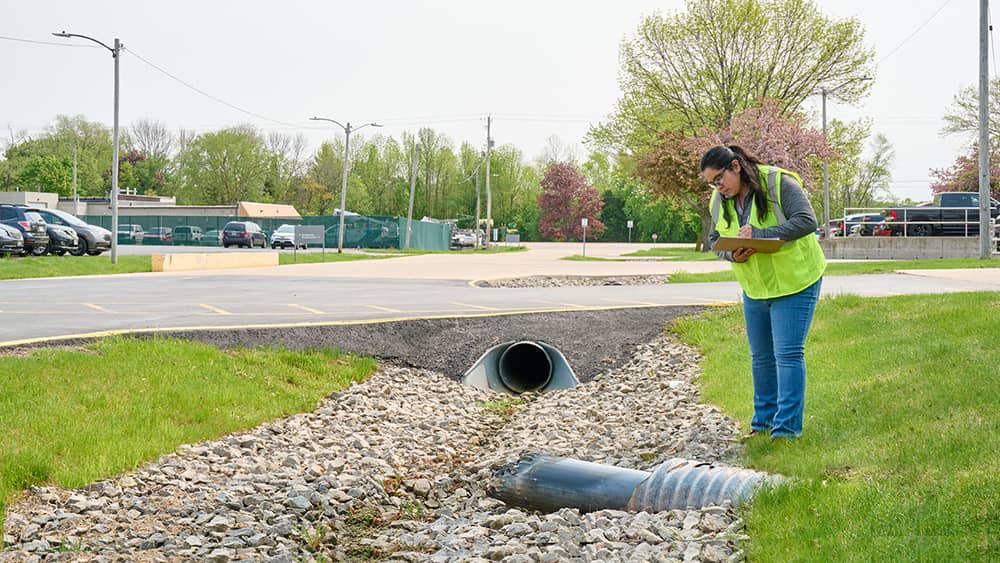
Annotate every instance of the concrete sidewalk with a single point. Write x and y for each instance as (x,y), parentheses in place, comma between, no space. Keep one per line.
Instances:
(541,259)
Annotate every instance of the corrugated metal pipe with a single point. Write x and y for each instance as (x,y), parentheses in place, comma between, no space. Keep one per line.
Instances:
(546,484)
(521,366)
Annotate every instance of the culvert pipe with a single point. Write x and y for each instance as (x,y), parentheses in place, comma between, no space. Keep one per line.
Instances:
(547,484)
(521,366)
(525,366)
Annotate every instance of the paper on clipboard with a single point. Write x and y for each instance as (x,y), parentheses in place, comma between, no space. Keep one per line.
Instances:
(765,245)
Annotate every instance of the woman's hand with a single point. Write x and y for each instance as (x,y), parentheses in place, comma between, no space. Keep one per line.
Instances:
(746,231)
(743,254)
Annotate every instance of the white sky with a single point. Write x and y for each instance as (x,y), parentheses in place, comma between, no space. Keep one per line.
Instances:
(541,68)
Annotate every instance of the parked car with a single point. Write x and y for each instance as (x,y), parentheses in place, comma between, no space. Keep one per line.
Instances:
(463,239)
(158,235)
(212,237)
(835,226)
(284,237)
(861,224)
(243,233)
(950,213)
(62,239)
(91,239)
(11,241)
(30,223)
(187,234)
(130,233)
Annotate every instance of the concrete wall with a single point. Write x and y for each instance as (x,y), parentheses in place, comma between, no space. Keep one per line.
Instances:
(36,199)
(213,261)
(900,248)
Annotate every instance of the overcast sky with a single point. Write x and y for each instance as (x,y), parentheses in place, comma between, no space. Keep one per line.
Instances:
(540,67)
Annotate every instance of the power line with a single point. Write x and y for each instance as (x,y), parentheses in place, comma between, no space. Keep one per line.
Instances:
(915,31)
(32,41)
(207,95)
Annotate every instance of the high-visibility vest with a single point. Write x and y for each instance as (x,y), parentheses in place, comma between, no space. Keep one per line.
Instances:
(795,267)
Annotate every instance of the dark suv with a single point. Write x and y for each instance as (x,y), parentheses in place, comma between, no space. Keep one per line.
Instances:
(243,233)
(91,239)
(30,223)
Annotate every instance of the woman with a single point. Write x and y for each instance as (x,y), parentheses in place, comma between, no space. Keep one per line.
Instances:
(780,290)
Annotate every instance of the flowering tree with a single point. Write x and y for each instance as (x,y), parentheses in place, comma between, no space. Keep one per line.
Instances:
(671,167)
(963,174)
(566,198)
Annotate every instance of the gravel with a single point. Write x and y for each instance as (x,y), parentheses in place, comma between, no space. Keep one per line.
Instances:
(397,467)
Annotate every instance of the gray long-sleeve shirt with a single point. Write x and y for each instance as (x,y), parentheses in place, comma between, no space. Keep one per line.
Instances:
(800,219)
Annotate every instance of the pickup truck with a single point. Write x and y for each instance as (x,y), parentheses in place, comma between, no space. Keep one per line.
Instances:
(949,214)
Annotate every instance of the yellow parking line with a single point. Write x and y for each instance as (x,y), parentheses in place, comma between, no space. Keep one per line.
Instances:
(482,307)
(95,307)
(215,309)
(307,309)
(386,309)
(651,304)
(560,303)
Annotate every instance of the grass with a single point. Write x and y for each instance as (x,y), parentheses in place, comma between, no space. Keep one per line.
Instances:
(496,249)
(900,457)
(674,253)
(854,268)
(53,266)
(289,257)
(74,416)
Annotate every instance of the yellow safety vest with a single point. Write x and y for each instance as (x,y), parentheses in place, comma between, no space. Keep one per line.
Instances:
(795,267)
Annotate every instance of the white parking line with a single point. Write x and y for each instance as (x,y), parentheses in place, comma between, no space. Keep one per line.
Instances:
(651,304)
(95,307)
(215,309)
(307,309)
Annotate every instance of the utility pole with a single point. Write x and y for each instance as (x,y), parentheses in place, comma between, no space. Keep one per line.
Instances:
(489,195)
(413,187)
(479,240)
(984,137)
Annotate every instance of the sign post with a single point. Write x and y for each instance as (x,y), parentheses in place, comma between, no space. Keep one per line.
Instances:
(630,230)
(583,223)
(654,238)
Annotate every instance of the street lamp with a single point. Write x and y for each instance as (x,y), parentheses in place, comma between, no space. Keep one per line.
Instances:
(343,186)
(115,52)
(826,167)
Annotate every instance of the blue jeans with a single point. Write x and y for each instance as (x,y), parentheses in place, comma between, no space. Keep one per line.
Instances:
(776,331)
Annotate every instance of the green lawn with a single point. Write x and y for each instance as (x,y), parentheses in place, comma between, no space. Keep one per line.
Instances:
(900,457)
(71,417)
(854,268)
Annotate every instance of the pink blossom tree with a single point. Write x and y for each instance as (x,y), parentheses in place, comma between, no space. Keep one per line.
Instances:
(567,198)
(670,169)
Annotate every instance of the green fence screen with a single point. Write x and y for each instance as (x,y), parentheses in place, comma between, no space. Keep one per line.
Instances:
(360,231)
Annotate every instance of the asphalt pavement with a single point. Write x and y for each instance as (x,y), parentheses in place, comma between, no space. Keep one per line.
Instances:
(430,286)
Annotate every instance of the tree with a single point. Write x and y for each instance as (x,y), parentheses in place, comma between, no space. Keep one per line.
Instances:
(963,117)
(963,174)
(151,138)
(671,168)
(566,199)
(702,67)
(223,167)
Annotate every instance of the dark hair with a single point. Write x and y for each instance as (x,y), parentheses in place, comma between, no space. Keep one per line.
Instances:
(722,157)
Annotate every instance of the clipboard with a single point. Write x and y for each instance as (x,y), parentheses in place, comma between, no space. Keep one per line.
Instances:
(765,245)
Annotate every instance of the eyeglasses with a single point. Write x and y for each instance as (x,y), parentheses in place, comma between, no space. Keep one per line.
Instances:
(717,181)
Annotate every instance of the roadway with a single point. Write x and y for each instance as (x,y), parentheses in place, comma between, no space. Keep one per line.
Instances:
(424,286)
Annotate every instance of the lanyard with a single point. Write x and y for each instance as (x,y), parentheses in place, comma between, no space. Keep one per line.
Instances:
(743,212)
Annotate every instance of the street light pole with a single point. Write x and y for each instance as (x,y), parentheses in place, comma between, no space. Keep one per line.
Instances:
(343,185)
(115,54)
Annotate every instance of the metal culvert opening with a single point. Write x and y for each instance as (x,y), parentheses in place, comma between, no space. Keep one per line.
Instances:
(525,366)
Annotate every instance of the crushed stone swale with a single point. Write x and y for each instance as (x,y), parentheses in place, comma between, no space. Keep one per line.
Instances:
(397,467)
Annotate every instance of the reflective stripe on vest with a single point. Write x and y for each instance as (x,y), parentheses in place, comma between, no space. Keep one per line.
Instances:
(795,267)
